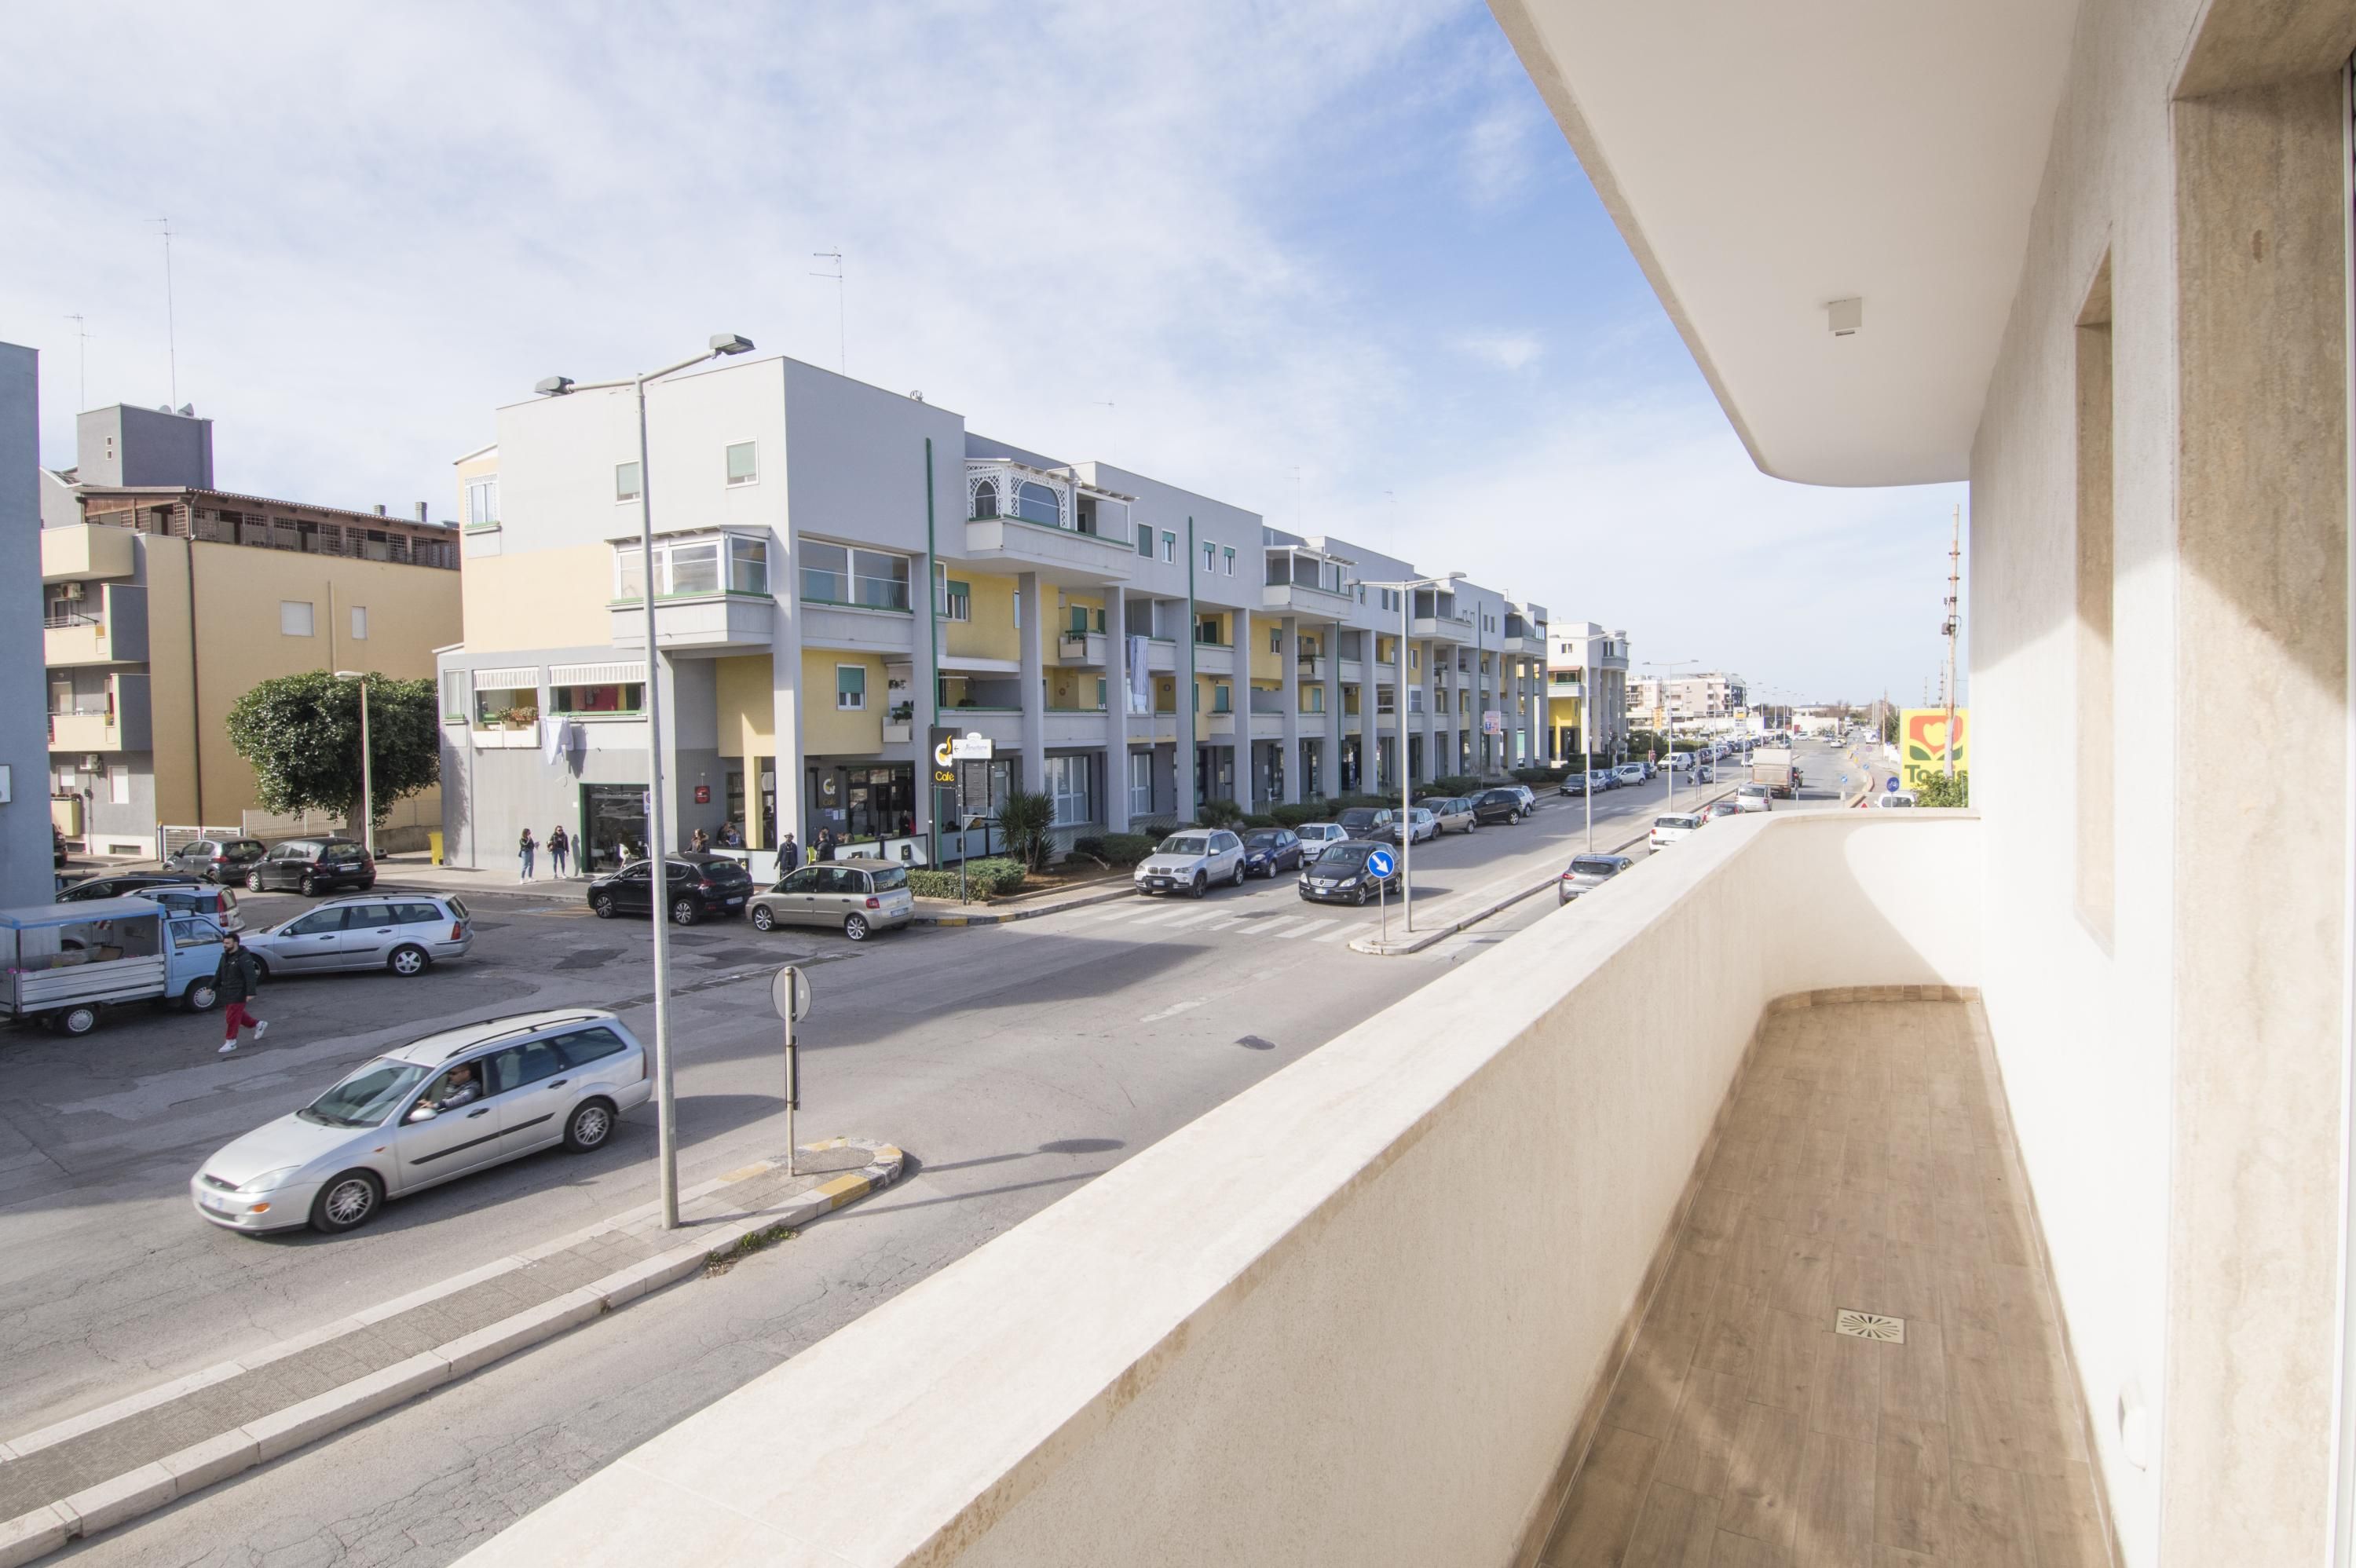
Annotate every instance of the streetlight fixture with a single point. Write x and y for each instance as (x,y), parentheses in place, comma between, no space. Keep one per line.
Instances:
(658,836)
(368,789)
(1405,590)
(1669,715)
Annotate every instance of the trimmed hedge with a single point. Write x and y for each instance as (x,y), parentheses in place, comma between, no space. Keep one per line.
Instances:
(1116,849)
(987,879)
(1294,816)
(1219,813)
(1258,820)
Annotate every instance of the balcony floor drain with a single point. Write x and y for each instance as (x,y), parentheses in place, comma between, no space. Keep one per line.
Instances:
(1871,1326)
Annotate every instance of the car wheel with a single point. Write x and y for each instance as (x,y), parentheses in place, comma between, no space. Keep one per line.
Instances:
(1239,874)
(1202,887)
(1362,898)
(591,1124)
(854,926)
(308,885)
(408,960)
(347,1203)
(602,905)
(685,912)
(367,882)
(77,1021)
(253,881)
(761,919)
(199,996)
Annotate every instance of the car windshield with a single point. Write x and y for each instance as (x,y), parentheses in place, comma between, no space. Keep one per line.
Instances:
(1752,789)
(1182,844)
(1676,822)
(366,1095)
(1357,816)
(1593,865)
(1345,852)
(1265,838)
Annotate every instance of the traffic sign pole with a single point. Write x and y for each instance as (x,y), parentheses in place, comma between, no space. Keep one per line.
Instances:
(789,993)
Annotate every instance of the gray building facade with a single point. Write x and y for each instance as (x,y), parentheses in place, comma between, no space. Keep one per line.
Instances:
(26,876)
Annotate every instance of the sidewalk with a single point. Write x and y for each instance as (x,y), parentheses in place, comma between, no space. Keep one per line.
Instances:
(137,1455)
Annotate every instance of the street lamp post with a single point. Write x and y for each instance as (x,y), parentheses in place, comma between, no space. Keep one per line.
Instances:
(1406,591)
(658,836)
(1669,721)
(368,788)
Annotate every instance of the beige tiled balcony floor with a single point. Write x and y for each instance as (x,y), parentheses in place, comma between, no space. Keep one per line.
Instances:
(1866,1163)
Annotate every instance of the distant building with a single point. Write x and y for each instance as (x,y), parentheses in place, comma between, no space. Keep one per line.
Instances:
(1583,660)
(1709,698)
(164,600)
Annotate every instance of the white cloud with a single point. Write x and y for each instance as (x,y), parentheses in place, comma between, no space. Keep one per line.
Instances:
(393,220)
(1506,350)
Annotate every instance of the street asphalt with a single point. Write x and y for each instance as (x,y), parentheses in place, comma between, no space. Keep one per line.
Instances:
(1013,1062)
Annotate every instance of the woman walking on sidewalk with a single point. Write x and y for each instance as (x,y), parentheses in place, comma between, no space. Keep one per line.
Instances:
(524,847)
(557,846)
(237,982)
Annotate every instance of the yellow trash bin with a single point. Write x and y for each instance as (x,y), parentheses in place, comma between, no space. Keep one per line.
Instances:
(433,845)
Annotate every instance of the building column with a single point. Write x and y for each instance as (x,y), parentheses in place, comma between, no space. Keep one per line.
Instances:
(785,707)
(1242,689)
(1116,804)
(1031,640)
(1329,767)
(1430,739)
(1288,653)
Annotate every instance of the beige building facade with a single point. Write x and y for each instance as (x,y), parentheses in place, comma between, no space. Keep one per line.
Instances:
(163,604)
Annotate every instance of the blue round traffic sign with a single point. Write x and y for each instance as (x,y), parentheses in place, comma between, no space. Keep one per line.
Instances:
(1890,785)
(1380,865)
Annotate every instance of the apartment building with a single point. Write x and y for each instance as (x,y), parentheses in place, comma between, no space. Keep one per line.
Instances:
(164,600)
(1584,657)
(1129,647)
(1707,698)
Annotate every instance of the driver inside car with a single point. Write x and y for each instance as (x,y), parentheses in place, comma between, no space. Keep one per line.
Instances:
(459,1087)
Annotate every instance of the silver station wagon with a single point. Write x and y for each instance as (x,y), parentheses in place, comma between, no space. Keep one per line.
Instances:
(426,1112)
(854,897)
(405,932)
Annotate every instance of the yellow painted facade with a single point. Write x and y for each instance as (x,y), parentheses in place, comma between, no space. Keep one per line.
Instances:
(548,599)
(830,731)
(990,632)
(747,705)
(1077,689)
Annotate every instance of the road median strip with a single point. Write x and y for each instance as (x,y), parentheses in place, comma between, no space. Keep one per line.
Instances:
(92,1471)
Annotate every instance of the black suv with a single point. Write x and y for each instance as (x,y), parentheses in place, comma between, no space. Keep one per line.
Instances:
(1374,824)
(1499,805)
(215,859)
(697,885)
(311,866)
(121,886)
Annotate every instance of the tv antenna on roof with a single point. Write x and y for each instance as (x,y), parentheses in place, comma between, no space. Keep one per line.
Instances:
(841,355)
(81,335)
(171,328)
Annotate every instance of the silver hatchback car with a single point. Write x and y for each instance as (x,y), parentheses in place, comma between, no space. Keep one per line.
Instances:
(424,1113)
(404,933)
(855,897)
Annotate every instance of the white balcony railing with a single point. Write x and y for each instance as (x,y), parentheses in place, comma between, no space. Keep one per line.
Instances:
(1026,1404)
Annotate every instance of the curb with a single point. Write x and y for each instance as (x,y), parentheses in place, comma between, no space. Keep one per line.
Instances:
(35,1534)
(1104,897)
(1423,939)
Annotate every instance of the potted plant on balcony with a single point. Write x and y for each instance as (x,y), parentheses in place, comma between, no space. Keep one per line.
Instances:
(519,717)
(901,713)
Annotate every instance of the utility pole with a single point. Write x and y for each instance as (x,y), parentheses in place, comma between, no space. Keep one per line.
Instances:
(171,322)
(1955,620)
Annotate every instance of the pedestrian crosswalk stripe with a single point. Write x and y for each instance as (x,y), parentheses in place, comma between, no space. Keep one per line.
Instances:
(1336,934)
(1161,917)
(1303,929)
(1277,927)
(1199,919)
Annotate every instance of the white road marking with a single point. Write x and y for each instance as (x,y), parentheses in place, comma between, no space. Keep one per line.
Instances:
(1171,1011)
(1303,929)
(1334,935)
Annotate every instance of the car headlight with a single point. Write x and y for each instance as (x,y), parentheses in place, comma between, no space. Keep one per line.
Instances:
(271,1181)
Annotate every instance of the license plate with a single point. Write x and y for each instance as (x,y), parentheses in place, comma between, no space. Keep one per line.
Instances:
(734,902)
(218,1205)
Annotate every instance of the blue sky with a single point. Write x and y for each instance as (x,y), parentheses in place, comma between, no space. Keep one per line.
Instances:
(1339,241)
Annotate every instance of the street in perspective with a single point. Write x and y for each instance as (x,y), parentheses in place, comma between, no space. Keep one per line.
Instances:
(1011,785)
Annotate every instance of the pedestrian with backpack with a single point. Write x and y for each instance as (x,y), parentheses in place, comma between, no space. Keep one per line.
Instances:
(238,983)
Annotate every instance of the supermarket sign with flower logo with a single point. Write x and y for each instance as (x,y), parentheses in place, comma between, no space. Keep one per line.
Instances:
(1922,743)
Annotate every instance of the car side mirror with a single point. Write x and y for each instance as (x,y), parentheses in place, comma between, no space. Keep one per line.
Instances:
(423,1113)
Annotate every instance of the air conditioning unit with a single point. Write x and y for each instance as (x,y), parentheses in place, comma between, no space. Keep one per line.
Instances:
(75,591)
(91,764)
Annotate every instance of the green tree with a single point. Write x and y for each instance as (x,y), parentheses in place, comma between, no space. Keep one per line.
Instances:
(1938,789)
(1025,818)
(301,734)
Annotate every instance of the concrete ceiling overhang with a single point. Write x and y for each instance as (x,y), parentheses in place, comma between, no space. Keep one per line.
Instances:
(1763,160)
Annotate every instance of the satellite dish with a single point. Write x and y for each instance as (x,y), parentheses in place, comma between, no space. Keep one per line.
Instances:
(188,411)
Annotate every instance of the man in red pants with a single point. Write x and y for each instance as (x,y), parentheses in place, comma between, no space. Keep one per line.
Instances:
(237,982)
